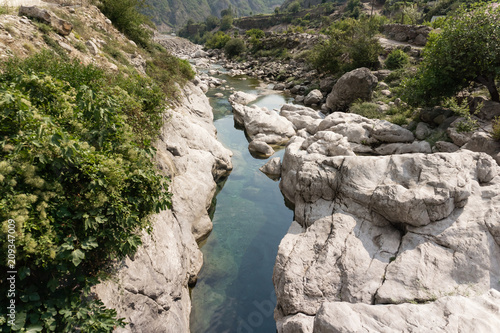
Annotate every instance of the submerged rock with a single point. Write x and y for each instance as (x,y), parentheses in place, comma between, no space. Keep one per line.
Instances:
(242,98)
(272,168)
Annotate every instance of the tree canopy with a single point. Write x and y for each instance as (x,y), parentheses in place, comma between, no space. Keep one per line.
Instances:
(467,50)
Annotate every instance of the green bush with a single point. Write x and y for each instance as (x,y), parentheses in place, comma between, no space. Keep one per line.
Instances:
(465,51)
(217,41)
(351,45)
(126,17)
(234,47)
(397,59)
(226,23)
(78,182)
(257,33)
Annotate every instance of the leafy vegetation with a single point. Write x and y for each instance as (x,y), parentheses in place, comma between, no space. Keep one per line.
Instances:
(234,47)
(351,45)
(397,59)
(126,17)
(466,51)
(218,41)
(78,179)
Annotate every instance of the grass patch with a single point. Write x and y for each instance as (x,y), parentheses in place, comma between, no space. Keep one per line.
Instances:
(366,109)
(56,47)
(496,128)
(115,53)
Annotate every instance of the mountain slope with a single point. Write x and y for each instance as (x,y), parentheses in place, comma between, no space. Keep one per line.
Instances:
(175,13)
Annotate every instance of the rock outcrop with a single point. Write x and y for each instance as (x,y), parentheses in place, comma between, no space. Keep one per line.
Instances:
(357,84)
(62,27)
(150,290)
(386,243)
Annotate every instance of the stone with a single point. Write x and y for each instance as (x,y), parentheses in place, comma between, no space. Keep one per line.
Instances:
(242,98)
(92,47)
(327,143)
(262,124)
(62,27)
(475,314)
(404,148)
(299,99)
(203,87)
(112,67)
(423,131)
(392,133)
(314,97)
(357,84)
(279,86)
(219,95)
(420,40)
(383,85)
(483,142)
(260,148)
(458,138)
(301,116)
(446,147)
(326,85)
(272,167)
(295,89)
(386,92)
(65,46)
(200,54)
(299,323)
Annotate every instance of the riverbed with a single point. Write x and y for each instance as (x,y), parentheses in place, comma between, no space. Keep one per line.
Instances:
(235,292)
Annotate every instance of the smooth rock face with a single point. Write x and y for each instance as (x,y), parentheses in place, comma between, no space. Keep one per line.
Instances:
(314,97)
(448,314)
(242,98)
(357,84)
(150,290)
(301,116)
(272,168)
(262,124)
(388,230)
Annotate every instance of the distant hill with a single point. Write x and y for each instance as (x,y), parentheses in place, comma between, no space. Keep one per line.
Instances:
(172,14)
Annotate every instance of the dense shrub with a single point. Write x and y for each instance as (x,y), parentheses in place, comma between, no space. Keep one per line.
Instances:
(234,47)
(397,59)
(226,23)
(496,128)
(77,178)
(217,41)
(466,50)
(351,45)
(126,17)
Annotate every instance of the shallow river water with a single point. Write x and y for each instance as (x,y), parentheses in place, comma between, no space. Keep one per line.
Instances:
(235,293)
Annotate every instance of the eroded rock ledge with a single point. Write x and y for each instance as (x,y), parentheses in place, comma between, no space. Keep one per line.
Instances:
(386,243)
(151,289)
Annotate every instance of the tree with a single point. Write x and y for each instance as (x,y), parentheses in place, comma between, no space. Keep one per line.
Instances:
(234,47)
(226,23)
(212,22)
(467,50)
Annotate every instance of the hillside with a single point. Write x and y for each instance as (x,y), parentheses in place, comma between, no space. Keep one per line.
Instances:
(172,14)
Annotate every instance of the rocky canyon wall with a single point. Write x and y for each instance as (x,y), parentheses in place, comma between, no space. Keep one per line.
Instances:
(150,289)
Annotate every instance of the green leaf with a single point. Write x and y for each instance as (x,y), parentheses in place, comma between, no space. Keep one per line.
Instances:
(90,243)
(77,256)
(24,272)
(34,328)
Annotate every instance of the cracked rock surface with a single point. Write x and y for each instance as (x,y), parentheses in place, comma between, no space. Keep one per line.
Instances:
(150,290)
(392,243)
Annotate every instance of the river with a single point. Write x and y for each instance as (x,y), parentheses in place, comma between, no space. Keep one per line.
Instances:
(235,293)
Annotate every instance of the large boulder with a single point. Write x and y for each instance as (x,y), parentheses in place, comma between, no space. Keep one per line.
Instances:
(357,84)
(314,97)
(301,116)
(263,124)
(374,231)
(62,27)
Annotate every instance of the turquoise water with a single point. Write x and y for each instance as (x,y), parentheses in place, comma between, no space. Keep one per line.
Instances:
(234,292)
